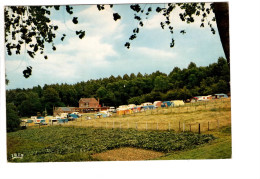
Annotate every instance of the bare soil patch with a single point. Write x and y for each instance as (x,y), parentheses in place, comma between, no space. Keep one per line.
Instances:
(127,154)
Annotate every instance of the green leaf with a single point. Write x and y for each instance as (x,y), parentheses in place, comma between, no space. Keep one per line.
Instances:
(116,16)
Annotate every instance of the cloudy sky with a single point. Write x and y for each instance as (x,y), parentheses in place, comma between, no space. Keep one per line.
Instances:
(102,53)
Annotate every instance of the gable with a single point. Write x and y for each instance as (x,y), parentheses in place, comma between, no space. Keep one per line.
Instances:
(88,100)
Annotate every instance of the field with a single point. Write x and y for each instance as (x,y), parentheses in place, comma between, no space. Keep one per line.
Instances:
(210,115)
(164,134)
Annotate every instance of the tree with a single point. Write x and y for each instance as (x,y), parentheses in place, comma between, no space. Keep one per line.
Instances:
(12,118)
(192,65)
(161,84)
(32,24)
(31,105)
(50,99)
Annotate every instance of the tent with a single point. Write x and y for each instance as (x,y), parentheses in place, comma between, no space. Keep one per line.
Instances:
(73,116)
(219,96)
(166,104)
(157,103)
(178,103)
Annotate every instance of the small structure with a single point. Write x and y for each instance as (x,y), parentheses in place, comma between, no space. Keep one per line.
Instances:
(219,96)
(157,103)
(58,111)
(204,98)
(137,108)
(194,99)
(146,104)
(124,112)
(131,106)
(147,107)
(177,103)
(73,116)
(112,109)
(166,104)
(122,108)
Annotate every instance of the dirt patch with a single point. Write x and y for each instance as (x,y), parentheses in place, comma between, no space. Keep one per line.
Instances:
(127,154)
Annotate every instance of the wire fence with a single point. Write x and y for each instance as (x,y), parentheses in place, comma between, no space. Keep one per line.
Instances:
(178,126)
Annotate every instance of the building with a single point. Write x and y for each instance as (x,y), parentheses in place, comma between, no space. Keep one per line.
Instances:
(88,103)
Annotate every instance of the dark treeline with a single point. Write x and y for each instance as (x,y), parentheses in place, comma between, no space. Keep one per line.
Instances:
(134,88)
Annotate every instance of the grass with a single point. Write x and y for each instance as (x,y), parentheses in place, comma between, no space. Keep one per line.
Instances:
(58,143)
(220,148)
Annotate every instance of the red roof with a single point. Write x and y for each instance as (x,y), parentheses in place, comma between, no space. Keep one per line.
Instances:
(87,100)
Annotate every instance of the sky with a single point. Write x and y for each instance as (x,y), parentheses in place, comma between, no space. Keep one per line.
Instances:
(101,53)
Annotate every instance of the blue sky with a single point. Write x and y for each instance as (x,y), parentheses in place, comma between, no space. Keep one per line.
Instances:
(102,53)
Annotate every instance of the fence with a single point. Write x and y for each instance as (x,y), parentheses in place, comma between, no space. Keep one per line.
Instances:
(178,126)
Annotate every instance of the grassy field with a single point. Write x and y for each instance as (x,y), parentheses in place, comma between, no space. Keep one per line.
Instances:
(53,143)
(221,148)
(210,115)
(160,134)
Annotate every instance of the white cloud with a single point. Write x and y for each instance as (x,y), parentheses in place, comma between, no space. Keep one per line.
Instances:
(100,22)
(155,53)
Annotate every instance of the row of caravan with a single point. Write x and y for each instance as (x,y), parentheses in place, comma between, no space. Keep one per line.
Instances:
(62,118)
(126,109)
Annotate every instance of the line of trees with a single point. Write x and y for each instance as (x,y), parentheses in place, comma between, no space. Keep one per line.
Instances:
(127,89)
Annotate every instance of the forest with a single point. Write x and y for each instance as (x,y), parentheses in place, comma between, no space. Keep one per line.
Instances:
(179,84)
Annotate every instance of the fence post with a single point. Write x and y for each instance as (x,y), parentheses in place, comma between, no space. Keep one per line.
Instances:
(183,127)
(208,125)
(179,125)
(199,128)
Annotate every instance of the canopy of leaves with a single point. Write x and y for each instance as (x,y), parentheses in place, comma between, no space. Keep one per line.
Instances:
(32,27)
